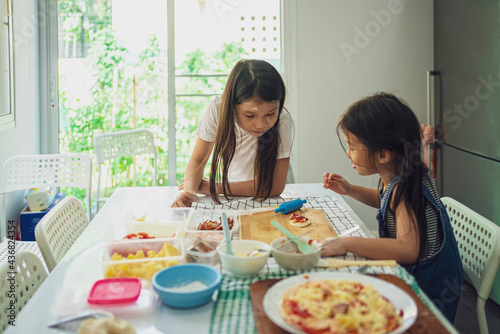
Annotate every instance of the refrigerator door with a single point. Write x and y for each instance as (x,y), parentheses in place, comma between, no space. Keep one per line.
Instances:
(471,180)
(467,105)
(467,55)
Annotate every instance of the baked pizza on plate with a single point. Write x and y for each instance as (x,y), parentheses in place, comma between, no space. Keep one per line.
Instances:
(337,303)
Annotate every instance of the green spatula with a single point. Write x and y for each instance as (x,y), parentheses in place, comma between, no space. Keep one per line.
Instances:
(303,247)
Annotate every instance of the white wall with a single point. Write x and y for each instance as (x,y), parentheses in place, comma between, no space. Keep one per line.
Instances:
(394,58)
(24,138)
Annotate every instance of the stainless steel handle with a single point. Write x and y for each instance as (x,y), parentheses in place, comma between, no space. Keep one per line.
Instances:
(430,120)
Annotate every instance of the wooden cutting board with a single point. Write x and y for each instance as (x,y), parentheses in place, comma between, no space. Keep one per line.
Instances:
(258,225)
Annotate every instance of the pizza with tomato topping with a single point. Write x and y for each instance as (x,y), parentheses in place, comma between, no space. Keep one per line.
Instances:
(299,220)
(338,307)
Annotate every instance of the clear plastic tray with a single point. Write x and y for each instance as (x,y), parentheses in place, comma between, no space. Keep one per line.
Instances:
(156,222)
(199,216)
(154,229)
(132,258)
(158,215)
(145,305)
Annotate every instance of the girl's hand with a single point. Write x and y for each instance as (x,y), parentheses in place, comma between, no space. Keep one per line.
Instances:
(204,188)
(185,199)
(334,248)
(181,186)
(427,134)
(336,183)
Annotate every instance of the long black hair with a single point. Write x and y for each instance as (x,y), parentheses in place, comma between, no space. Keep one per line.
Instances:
(249,80)
(385,122)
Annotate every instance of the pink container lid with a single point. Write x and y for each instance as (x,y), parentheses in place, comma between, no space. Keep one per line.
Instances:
(115,291)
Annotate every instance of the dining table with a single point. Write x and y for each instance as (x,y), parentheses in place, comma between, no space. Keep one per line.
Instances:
(237,305)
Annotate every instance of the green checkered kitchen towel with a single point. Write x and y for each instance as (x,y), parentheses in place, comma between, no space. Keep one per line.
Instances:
(232,313)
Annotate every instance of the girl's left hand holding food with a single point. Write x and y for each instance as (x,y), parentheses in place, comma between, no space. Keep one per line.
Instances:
(336,183)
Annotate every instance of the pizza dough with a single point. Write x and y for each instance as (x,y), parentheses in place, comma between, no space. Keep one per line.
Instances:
(338,307)
(299,220)
(105,326)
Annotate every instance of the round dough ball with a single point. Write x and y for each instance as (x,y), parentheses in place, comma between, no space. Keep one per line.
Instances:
(105,326)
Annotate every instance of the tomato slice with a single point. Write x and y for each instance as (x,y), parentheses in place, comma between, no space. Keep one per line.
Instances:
(298,311)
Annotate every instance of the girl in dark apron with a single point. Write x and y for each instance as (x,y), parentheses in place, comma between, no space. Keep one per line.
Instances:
(383,137)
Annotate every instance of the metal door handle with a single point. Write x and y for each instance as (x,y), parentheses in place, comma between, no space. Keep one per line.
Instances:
(430,121)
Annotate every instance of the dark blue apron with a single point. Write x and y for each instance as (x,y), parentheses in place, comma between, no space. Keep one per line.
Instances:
(441,275)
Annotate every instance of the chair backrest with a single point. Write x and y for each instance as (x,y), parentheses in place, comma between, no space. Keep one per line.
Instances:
(478,241)
(119,144)
(59,228)
(123,143)
(18,282)
(22,172)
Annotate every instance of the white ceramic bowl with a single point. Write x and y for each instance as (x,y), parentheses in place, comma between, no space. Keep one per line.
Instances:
(289,257)
(243,266)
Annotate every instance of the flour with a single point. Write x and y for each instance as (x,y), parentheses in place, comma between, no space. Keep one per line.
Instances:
(190,287)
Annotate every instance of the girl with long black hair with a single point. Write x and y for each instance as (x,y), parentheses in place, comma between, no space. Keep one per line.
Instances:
(383,137)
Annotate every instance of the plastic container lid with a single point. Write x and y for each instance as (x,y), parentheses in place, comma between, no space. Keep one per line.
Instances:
(115,291)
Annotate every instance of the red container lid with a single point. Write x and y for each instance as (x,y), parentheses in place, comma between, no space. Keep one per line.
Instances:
(115,291)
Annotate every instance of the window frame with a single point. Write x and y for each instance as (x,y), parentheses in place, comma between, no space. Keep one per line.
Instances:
(48,53)
(7,89)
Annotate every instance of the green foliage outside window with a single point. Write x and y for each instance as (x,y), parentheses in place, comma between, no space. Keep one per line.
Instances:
(129,93)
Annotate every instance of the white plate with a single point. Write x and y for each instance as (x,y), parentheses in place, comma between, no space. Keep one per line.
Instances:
(400,299)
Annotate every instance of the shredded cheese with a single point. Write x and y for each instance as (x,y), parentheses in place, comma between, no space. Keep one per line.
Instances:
(338,306)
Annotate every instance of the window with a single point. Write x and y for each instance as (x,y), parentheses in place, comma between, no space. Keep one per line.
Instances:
(155,66)
(7,117)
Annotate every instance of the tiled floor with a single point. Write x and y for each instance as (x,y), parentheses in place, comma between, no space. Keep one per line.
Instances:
(466,319)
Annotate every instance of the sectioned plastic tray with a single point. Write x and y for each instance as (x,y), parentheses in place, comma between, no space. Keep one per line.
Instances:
(199,216)
(115,291)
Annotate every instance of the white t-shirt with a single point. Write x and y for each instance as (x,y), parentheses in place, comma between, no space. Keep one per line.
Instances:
(241,168)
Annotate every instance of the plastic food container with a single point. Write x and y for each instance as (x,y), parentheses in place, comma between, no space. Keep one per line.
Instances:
(115,291)
(202,249)
(155,222)
(141,258)
(157,230)
(144,305)
(199,216)
(158,215)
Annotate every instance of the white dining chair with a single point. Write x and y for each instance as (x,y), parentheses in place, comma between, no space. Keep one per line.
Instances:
(119,144)
(22,172)
(58,230)
(478,242)
(19,280)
